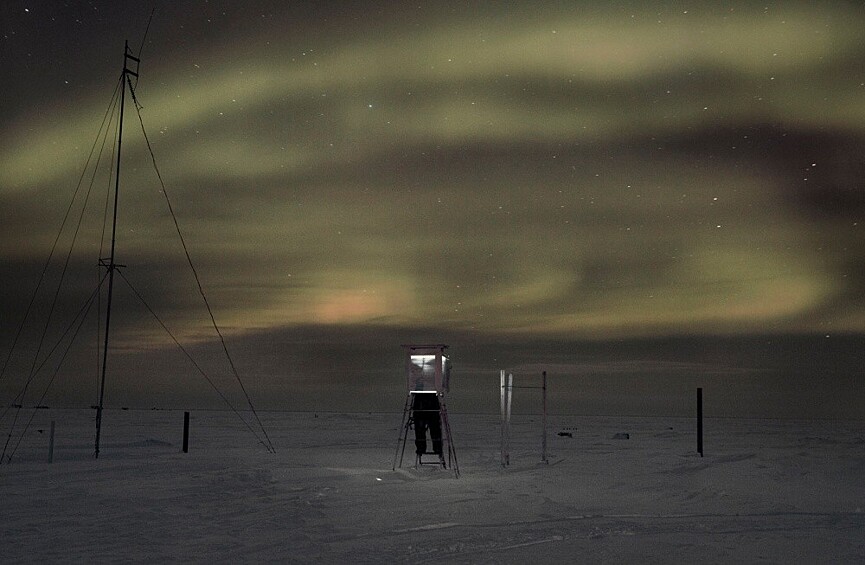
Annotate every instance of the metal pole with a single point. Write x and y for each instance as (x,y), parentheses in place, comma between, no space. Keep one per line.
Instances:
(508,436)
(544,437)
(111,266)
(502,377)
(186,432)
(700,421)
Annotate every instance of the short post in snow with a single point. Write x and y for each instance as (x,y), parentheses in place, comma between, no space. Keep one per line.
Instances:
(544,438)
(700,421)
(186,432)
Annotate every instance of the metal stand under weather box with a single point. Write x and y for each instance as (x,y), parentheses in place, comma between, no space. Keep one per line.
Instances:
(427,382)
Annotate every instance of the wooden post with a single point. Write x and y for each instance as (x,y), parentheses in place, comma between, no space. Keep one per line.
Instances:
(51,444)
(700,421)
(186,432)
(544,437)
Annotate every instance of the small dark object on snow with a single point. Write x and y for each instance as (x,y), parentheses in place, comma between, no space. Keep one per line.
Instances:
(622,435)
(566,434)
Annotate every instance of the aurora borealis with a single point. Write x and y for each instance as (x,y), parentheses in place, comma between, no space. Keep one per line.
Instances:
(557,171)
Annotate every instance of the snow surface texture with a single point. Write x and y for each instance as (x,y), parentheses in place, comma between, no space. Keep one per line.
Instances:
(767,491)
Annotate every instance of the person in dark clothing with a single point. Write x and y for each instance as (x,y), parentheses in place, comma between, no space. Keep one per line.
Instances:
(427,417)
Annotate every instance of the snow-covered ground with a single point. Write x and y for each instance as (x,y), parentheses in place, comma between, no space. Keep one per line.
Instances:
(766,491)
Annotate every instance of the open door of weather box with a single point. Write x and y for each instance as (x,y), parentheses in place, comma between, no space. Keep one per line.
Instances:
(428,368)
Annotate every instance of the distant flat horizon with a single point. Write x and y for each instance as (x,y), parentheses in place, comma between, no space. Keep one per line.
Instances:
(319,368)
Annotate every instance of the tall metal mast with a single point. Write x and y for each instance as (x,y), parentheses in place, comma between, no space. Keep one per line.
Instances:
(109,262)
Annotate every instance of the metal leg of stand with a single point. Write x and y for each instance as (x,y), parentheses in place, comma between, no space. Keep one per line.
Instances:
(403,434)
(452,452)
(406,428)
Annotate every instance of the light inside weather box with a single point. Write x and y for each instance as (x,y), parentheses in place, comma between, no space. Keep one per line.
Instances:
(428,368)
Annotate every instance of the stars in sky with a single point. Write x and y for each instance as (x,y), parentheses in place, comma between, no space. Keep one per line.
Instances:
(547,171)
(571,160)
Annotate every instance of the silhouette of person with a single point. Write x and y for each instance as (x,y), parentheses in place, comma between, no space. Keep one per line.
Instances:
(427,417)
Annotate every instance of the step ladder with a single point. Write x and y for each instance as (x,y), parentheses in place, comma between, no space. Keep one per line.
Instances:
(446,441)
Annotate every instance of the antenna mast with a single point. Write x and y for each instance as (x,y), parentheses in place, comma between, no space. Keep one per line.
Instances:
(109,262)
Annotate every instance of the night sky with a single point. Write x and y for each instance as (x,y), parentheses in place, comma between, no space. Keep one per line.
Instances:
(640,197)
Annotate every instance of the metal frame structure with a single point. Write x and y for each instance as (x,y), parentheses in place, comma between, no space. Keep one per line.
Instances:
(507,394)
